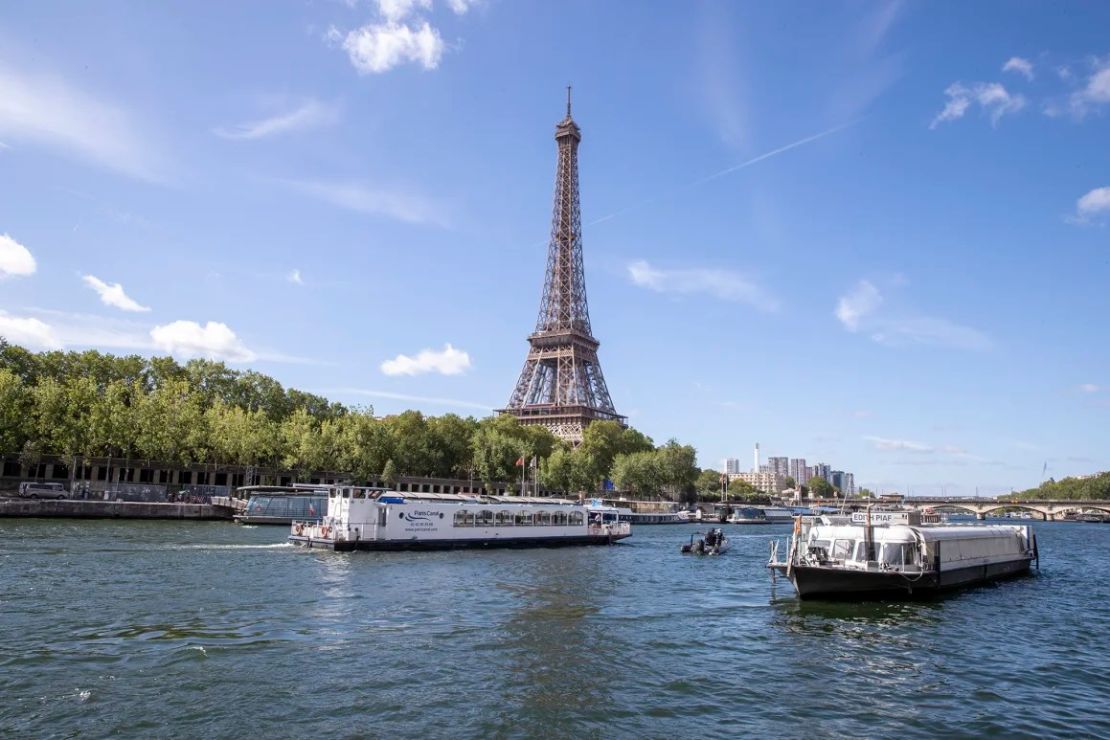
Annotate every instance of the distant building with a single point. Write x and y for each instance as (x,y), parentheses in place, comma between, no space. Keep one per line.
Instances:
(732,465)
(755,466)
(822,470)
(780,465)
(849,484)
(798,471)
(764,482)
(836,477)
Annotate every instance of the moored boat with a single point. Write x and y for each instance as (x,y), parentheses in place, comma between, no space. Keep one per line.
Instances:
(878,554)
(748,515)
(375,519)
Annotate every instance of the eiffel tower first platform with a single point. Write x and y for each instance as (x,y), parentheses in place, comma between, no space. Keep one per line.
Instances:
(561,386)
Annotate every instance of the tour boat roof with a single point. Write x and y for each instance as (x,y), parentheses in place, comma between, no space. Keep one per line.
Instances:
(473,499)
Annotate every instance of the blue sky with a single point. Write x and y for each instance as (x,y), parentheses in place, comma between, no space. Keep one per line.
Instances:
(869,234)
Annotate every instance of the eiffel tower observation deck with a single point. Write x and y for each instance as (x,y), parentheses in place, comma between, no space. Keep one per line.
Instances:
(561,386)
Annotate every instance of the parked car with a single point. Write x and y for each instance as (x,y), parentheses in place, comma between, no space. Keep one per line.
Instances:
(30,489)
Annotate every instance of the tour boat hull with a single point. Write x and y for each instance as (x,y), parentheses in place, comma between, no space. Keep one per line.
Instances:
(818,582)
(460,544)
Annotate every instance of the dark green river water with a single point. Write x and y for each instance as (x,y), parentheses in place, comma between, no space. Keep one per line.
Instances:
(162,629)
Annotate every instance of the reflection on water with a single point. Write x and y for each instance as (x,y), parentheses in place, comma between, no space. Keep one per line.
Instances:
(220,627)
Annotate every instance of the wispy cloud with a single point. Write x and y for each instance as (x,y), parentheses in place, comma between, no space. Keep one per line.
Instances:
(46,110)
(1092,206)
(28,332)
(858,311)
(1089,388)
(15,259)
(860,302)
(991,97)
(886,444)
(363,198)
(726,171)
(294,277)
(113,294)
(309,114)
(407,397)
(448,361)
(214,340)
(723,284)
(1096,92)
(1019,65)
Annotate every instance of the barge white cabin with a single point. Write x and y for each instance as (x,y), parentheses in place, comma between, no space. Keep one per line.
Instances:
(375,519)
(876,554)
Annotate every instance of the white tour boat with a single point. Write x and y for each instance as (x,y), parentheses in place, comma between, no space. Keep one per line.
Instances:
(876,554)
(375,519)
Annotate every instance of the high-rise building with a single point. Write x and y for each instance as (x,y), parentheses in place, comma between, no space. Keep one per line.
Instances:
(779,465)
(732,465)
(822,470)
(755,464)
(849,484)
(561,386)
(836,477)
(798,471)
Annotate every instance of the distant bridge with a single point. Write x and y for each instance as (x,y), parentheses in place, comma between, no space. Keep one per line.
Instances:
(1048,509)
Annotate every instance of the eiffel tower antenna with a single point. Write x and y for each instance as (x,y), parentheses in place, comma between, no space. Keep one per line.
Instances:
(561,385)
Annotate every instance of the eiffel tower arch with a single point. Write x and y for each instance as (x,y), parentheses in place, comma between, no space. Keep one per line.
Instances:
(561,385)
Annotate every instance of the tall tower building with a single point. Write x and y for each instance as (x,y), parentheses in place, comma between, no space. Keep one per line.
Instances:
(755,464)
(779,465)
(732,466)
(798,471)
(561,386)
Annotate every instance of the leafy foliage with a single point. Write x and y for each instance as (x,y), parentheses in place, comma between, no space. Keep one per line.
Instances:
(1090,488)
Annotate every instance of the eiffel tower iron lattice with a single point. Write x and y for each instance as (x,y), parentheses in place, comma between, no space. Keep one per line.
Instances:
(561,386)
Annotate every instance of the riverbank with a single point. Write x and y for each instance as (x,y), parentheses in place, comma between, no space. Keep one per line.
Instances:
(79,509)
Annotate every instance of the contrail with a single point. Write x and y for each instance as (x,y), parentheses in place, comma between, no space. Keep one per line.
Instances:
(726,171)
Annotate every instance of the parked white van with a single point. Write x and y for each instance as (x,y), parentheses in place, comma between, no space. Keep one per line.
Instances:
(31,489)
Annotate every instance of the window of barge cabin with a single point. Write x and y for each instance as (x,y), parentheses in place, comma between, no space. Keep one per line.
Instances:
(842,549)
(559,519)
(895,553)
(523,519)
(484,519)
(504,519)
(543,519)
(576,519)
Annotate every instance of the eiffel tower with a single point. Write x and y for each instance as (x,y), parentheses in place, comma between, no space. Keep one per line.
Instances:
(561,386)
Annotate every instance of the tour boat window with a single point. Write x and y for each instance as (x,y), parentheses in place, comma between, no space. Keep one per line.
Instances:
(576,519)
(524,519)
(862,555)
(899,553)
(504,518)
(484,519)
(842,549)
(460,519)
(543,519)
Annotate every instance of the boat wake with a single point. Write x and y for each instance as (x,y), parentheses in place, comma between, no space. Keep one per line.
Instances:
(274,546)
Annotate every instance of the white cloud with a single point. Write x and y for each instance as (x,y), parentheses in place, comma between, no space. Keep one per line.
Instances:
(723,284)
(310,114)
(15,259)
(1019,65)
(295,277)
(28,332)
(459,7)
(928,331)
(398,10)
(859,303)
(214,340)
(448,361)
(113,295)
(1096,92)
(992,97)
(858,311)
(1093,204)
(379,47)
(46,110)
(359,197)
(899,445)
(1089,388)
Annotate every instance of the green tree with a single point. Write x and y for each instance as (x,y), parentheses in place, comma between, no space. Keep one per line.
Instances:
(389,473)
(789,481)
(15,406)
(709,482)
(820,488)
(567,469)
(640,473)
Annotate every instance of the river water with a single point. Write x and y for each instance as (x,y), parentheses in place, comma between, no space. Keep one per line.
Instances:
(168,629)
